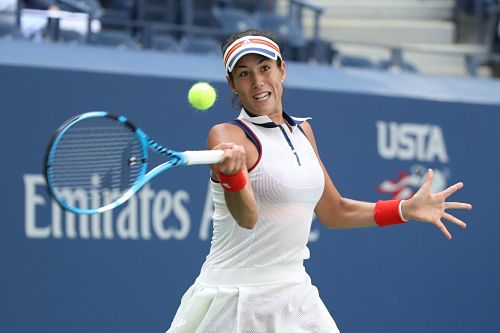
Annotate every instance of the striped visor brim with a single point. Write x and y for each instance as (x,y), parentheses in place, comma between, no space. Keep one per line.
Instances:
(250,44)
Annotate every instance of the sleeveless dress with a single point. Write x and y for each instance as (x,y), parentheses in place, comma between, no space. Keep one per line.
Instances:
(253,280)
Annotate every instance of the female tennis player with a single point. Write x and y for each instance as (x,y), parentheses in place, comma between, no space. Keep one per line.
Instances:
(266,188)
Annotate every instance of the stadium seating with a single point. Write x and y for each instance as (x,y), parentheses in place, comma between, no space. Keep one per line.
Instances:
(70,36)
(392,67)
(118,39)
(200,44)
(253,6)
(233,19)
(10,31)
(355,62)
(319,51)
(165,43)
(288,33)
(494,40)
(199,26)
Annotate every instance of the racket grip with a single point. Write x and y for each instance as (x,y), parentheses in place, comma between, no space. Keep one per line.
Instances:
(203,156)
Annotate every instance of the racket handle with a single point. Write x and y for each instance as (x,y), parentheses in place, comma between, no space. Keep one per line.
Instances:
(203,156)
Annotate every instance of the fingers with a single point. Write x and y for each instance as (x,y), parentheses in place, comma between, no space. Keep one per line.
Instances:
(233,160)
(457,205)
(224,146)
(443,229)
(440,199)
(454,220)
(452,189)
(428,181)
(439,224)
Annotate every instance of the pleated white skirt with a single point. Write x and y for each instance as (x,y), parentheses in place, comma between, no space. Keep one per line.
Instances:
(256,300)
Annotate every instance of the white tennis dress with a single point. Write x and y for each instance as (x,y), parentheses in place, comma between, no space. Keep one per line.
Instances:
(253,280)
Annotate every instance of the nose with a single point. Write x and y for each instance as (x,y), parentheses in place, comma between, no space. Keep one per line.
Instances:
(257,80)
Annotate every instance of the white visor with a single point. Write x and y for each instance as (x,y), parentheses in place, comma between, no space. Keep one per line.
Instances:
(250,44)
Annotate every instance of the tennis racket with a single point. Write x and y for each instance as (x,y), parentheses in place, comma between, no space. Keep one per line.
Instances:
(96,161)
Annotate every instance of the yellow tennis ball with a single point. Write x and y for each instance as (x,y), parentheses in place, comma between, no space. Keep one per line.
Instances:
(202,96)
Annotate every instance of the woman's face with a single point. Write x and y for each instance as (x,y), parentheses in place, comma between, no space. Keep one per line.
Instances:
(258,81)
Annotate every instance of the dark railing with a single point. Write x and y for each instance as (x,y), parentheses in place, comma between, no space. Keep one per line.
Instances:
(482,14)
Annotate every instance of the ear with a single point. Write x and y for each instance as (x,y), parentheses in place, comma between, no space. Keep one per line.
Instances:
(283,70)
(230,83)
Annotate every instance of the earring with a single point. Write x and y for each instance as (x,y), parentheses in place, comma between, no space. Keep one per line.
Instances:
(236,93)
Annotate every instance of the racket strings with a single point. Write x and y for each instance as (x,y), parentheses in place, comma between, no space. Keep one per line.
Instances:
(94,162)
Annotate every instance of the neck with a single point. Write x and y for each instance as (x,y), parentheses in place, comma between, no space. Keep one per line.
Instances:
(276,117)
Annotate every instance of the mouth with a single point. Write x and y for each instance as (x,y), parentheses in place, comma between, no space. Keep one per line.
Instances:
(262,96)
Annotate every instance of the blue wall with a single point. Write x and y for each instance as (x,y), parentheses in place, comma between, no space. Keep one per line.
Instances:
(370,128)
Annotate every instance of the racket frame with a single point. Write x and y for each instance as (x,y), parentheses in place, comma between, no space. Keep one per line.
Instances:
(176,159)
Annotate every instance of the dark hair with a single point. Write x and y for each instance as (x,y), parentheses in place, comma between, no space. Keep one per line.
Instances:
(250,32)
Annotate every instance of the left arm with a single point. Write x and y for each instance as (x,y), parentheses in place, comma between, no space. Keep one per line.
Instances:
(334,211)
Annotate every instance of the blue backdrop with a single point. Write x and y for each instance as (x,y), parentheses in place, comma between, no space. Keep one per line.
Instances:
(126,271)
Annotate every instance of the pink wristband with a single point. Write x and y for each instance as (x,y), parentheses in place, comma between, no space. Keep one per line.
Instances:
(387,212)
(233,183)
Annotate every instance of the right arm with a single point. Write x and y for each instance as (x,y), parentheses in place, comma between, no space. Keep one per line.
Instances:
(239,154)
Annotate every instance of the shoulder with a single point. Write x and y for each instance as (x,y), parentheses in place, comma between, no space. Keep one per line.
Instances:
(308,131)
(306,126)
(225,129)
(225,132)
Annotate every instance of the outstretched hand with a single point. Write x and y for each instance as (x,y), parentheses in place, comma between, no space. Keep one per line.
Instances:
(429,207)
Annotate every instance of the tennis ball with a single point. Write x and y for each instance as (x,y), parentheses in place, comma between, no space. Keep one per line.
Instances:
(202,96)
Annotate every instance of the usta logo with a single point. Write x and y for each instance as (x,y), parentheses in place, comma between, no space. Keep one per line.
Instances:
(408,141)
(409,182)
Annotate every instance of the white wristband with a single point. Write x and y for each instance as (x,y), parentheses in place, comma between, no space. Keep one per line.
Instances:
(401,210)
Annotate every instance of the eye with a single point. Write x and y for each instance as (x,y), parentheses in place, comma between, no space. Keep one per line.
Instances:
(265,68)
(244,74)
